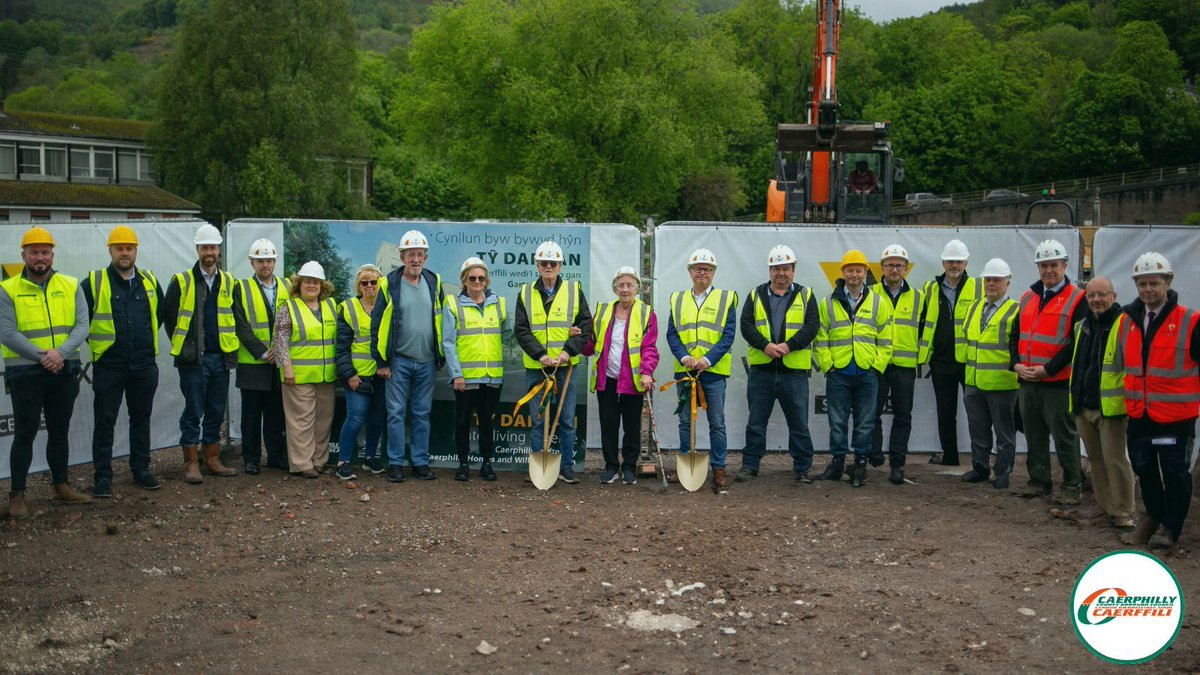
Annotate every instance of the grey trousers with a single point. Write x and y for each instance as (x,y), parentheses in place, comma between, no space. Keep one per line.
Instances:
(989,411)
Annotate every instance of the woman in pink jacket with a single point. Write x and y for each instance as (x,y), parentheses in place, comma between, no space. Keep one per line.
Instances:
(624,337)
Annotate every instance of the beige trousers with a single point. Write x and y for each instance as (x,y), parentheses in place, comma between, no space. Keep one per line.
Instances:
(308,410)
(1112,475)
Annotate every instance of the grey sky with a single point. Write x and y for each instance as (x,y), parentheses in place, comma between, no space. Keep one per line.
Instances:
(886,10)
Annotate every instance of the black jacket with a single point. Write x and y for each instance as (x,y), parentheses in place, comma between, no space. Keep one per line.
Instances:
(524,334)
(134,347)
(1089,352)
(801,340)
(189,355)
(254,376)
(942,352)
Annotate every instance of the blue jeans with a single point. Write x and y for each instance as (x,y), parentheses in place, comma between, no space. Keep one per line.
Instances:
(763,388)
(204,390)
(714,397)
(369,409)
(846,395)
(566,421)
(410,390)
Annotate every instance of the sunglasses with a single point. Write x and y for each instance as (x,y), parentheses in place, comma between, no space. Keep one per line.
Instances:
(369,282)
(548,263)
(477,279)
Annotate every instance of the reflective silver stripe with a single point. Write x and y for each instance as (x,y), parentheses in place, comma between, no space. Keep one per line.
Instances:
(788,325)
(903,353)
(1119,391)
(186,312)
(10,361)
(1068,309)
(361,357)
(298,324)
(105,316)
(1060,339)
(1134,394)
(839,343)
(352,314)
(1135,371)
(1170,373)
(34,333)
(1173,398)
(102,337)
(310,362)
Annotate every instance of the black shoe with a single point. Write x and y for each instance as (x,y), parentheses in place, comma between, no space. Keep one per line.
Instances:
(396,473)
(1001,482)
(745,475)
(345,471)
(803,477)
(424,472)
(610,476)
(875,458)
(858,475)
(629,477)
(976,475)
(833,471)
(486,471)
(146,480)
(897,477)
(252,468)
(567,475)
(103,489)
(463,473)
(374,465)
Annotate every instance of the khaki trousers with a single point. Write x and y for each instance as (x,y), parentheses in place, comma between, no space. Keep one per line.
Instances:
(1112,474)
(308,410)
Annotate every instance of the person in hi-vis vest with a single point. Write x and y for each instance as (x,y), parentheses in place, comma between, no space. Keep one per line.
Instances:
(305,351)
(779,323)
(125,303)
(553,323)
(624,334)
(947,298)
(366,395)
(43,322)
(254,306)
(700,332)
(991,385)
(198,315)
(474,323)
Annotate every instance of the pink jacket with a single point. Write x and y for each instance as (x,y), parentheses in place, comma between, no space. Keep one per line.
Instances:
(649,356)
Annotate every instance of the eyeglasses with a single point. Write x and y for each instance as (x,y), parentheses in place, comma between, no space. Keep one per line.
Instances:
(548,263)
(369,282)
(703,270)
(477,279)
(894,266)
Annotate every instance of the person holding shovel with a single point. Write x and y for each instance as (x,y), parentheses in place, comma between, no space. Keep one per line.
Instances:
(547,310)
(624,334)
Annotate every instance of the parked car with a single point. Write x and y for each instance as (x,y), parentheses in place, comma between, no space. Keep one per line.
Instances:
(915,200)
(1003,193)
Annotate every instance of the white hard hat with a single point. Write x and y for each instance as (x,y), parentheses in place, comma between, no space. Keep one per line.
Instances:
(995,269)
(207,234)
(1050,249)
(473,261)
(263,249)
(1052,221)
(414,239)
(1152,263)
(895,251)
(955,250)
(702,256)
(313,270)
(780,255)
(626,271)
(549,250)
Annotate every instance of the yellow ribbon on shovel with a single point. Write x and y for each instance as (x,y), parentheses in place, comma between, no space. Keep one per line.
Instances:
(691,467)
(546,387)
(698,401)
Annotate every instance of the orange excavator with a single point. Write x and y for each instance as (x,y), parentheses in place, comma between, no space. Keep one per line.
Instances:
(827,170)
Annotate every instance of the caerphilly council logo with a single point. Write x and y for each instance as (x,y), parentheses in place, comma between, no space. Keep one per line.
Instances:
(1127,607)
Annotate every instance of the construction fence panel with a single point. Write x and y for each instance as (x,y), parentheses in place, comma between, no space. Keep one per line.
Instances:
(1116,247)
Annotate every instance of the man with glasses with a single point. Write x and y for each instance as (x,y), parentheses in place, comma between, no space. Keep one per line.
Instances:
(406,341)
(700,333)
(553,324)
(948,296)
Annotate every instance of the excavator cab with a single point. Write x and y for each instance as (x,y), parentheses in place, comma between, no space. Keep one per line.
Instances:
(865,194)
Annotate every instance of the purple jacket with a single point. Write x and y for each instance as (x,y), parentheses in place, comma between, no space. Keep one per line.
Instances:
(649,356)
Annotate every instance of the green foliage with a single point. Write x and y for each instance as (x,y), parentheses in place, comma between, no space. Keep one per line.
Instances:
(1193,218)
(310,240)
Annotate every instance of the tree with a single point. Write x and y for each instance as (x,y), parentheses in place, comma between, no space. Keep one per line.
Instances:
(310,240)
(230,101)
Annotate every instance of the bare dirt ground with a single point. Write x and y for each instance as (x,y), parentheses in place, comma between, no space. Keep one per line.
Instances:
(273,573)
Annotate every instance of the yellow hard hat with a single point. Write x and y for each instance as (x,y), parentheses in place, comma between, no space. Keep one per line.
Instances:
(122,234)
(854,257)
(37,235)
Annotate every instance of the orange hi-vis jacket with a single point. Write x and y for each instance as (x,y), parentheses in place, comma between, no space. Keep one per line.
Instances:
(1167,386)
(1046,330)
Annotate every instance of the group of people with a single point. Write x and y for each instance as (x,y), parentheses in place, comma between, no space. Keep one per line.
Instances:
(1061,362)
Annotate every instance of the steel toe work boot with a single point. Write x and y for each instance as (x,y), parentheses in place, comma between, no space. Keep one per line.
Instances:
(833,471)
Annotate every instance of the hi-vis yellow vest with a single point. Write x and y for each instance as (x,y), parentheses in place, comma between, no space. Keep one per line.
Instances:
(800,359)
(987,347)
(909,347)
(45,318)
(257,315)
(385,322)
(226,330)
(967,294)
(700,328)
(480,350)
(552,329)
(1112,370)
(639,319)
(313,343)
(866,337)
(102,332)
(360,348)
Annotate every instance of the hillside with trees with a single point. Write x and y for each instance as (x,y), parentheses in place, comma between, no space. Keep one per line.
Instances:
(604,110)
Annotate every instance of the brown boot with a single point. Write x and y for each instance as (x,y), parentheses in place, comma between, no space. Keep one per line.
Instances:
(17,508)
(1141,536)
(212,461)
(720,482)
(63,492)
(191,465)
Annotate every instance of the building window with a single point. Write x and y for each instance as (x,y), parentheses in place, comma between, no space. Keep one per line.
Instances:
(135,216)
(135,165)
(8,159)
(80,215)
(39,216)
(43,160)
(102,163)
(91,162)
(3,215)
(31,160)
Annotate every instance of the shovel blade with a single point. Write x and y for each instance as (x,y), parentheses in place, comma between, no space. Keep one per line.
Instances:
(543,469)
(692,468)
